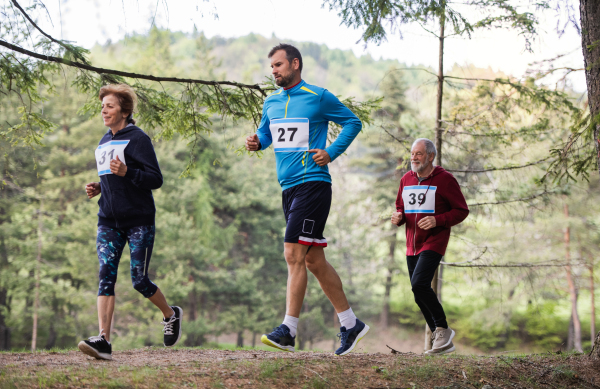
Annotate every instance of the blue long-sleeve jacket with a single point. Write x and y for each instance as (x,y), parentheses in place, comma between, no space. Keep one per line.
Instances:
(296,120)
(127,201)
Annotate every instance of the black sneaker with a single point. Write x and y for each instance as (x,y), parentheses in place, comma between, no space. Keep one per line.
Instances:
(351,337)
(280,338)
(172,330)
(96,347)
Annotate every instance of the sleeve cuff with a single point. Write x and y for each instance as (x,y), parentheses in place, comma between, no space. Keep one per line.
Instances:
(332,155)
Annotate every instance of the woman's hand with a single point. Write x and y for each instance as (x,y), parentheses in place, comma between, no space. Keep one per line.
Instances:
(117,167)
(92,189)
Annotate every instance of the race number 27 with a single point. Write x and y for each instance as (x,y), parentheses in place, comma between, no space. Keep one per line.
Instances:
(282,134)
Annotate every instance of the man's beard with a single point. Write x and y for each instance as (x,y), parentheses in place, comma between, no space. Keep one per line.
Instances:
(421,168)
(286,81)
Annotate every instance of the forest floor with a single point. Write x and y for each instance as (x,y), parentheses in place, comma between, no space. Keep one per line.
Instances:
(154,367)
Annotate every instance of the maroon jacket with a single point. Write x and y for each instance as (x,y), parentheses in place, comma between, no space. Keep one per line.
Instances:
(439,195)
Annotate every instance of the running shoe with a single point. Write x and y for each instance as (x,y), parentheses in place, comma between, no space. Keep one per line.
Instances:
(351,337)
(97,347)
(442,342)
(172,329)
(280,338)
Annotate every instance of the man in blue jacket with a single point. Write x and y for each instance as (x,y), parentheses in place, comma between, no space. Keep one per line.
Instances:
(295,120)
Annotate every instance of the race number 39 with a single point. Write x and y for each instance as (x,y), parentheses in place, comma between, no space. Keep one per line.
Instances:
(289,134)
(419,199)
(108,151)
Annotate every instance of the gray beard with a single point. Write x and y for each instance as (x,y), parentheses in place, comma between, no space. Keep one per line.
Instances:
(421,168)
(286,81)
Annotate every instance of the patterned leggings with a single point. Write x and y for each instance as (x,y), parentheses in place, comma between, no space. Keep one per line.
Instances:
(110,245)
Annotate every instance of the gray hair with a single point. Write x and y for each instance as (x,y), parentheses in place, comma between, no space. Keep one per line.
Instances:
(429,146)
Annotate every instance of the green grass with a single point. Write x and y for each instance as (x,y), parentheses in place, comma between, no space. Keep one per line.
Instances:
(52,380)
(268,368)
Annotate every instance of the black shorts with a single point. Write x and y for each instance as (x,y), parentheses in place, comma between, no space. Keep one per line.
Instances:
(306,208)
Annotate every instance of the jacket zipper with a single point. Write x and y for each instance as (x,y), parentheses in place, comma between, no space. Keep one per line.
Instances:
(110,197)
(417,217)
(415,235)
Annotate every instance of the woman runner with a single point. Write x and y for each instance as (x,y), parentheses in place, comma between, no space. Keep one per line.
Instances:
(128,171)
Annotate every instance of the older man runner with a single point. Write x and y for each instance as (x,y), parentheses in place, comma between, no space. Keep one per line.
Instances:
(295,120)
(429,202)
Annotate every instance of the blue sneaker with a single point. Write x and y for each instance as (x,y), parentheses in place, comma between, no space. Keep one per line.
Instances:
(351,337)
(280,338)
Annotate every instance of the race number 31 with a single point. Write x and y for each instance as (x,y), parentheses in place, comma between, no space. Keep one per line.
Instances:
(109,151)
(419,199)
(289,134)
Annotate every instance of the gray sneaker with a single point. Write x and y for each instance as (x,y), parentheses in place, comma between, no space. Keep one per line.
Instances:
(442,342)
(429,345)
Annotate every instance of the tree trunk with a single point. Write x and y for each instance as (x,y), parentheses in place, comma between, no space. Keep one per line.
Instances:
(595,353)
(4,331)
(36,303)
(572,288)
(240,339)
(593,302)
(440,92)
(590,43)
(571,335)
(440,280)
(385,312)
(439,132)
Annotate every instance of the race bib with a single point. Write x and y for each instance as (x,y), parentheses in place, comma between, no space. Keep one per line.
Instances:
(106,152)
(419,199)
(289,134)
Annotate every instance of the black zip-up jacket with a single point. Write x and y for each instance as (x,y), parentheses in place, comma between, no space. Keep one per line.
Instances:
(127,201)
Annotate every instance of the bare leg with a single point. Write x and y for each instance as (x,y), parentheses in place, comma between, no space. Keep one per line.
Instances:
(297,278)
(106,310)
(328,278)
(160,301)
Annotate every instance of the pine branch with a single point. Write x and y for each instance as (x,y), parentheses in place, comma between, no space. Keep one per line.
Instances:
(76,54)
(514,200)
(499,168)
(524,265)
(465,262)
(149,77)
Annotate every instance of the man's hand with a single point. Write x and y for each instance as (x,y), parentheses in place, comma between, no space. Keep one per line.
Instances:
(92,189)
(396,217)
(427,222)
(117,167)
(321,157)
(252,143)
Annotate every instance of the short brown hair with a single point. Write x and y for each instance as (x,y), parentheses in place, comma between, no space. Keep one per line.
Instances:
(126,96)
(290,53)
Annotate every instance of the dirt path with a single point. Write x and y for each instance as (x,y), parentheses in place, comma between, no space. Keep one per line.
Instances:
(175,368)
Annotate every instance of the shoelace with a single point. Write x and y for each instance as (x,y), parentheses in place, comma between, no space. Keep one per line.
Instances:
(168,329)
(343,337)
(438,334)
(99,338)
(278,331)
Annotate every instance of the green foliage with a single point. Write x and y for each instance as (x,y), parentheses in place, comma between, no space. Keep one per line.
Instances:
(380,17)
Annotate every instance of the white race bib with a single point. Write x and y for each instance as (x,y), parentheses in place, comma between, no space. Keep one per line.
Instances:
(419,199)
(289,134)
(107,151)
